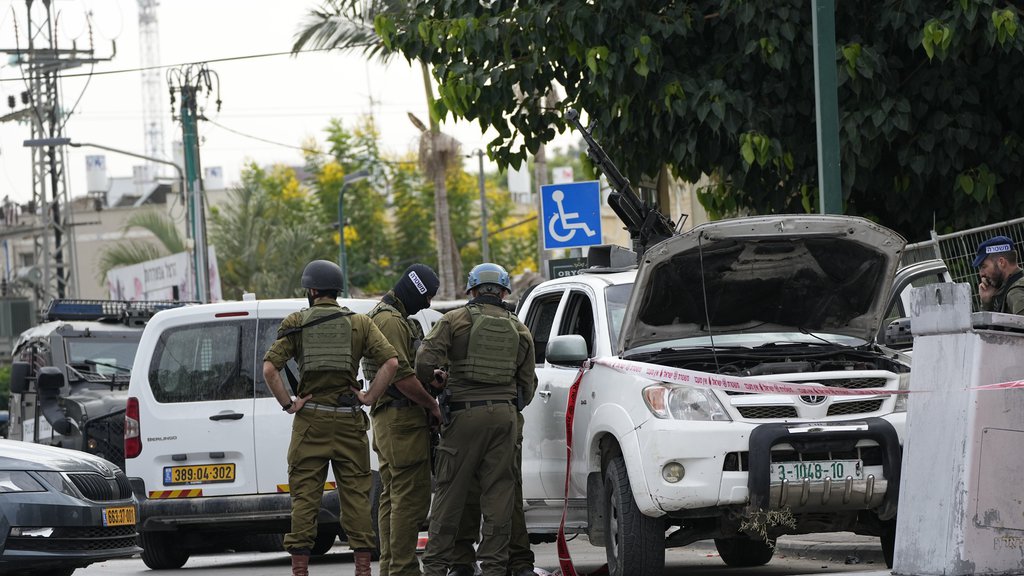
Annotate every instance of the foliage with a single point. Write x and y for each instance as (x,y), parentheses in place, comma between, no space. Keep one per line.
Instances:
(5,386)
(266,233)
(126,253)
(930,95)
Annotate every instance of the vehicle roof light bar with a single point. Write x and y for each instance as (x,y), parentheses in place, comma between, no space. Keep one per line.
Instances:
(128,312)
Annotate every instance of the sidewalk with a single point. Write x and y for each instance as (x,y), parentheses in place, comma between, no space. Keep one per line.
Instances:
(844,547)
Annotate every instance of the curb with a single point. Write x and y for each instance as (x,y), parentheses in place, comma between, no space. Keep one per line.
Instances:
(834,552)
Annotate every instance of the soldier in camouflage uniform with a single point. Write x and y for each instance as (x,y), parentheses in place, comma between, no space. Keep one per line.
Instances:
(490,355)
(401,434)
(1002,281)
(327,341)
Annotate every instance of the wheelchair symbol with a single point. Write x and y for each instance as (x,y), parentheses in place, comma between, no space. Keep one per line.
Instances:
(564,218)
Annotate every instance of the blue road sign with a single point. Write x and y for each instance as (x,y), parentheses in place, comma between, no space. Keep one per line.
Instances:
(571,214)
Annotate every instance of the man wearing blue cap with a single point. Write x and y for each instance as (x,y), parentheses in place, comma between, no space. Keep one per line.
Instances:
(1002,281)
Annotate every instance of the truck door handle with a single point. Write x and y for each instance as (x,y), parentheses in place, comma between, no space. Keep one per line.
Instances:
(545,394)
(227,416)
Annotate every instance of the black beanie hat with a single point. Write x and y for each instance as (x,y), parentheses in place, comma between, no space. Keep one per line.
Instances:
(417,285)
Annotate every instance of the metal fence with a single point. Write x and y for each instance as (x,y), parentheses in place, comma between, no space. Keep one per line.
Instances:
(958,249)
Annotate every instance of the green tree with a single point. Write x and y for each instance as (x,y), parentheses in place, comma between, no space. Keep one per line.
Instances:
(5,386)
(929,95)
(128,252)
(348,25)
(266,233)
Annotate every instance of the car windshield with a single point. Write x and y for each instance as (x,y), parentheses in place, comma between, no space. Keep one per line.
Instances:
(615,298)
(752,340)
(99,356)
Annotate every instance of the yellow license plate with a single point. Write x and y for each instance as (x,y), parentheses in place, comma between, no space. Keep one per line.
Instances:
(120,516)
(201,474)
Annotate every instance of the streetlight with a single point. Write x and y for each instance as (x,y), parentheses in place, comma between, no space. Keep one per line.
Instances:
(348,179)
(484,249)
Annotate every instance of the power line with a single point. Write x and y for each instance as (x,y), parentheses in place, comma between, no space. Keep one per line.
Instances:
(267,141)
(162,66)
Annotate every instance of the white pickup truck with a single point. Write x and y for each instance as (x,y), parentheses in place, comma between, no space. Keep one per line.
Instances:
(796,299)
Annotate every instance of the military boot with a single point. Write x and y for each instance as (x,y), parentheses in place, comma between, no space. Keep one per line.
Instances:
(300,564)
(363,564)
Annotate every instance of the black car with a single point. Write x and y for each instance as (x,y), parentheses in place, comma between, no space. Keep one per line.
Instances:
(61,509)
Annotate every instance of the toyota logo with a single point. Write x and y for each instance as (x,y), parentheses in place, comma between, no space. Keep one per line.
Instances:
(813,400)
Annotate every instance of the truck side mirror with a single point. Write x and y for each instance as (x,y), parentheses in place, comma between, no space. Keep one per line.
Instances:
(19,377)
(50,379)
(567,350)
(898,334)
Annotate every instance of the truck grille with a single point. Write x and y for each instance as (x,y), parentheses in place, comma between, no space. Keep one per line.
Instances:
(837,407)
(766,412)
(107,432)
(99,489)
(76,539)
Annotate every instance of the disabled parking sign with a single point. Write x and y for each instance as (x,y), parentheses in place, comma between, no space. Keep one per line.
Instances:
(571,214)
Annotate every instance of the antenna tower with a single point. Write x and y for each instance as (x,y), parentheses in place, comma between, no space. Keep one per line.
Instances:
(152,114)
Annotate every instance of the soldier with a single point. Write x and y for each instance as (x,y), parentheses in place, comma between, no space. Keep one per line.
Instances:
(401,434)
(327,341)
(1002,281)
(490,355)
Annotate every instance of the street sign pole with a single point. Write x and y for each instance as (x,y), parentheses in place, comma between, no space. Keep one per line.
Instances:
(826,105)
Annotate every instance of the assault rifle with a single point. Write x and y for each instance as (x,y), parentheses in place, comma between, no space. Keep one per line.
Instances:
(646,225)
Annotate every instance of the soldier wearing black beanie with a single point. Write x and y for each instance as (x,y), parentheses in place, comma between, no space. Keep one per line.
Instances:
(416,287)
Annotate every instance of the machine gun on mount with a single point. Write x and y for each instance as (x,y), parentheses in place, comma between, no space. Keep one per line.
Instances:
(646,225)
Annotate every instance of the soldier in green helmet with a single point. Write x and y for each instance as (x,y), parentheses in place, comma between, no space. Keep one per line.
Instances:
(401,424)
(490,357)
(329,426)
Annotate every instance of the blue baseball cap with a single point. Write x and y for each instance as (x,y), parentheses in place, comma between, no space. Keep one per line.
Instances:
(992,246)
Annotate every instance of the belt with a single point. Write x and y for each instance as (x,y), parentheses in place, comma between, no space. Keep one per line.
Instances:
(326,408)
(397,403)
(456,406)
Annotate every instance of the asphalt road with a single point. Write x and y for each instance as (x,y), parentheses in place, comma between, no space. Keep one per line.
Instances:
(695,560)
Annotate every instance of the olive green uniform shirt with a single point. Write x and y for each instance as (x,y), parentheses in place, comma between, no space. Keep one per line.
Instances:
(450,336)
(1010,298)
(325,386)
(401,331)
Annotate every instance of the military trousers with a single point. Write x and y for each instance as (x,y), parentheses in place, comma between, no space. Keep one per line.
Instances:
(401,439)
(337,439)
(477,449)
(520,556)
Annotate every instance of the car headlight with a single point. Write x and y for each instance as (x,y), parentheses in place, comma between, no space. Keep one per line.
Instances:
(684,403)
(18,481)
(58,481)
(901,399)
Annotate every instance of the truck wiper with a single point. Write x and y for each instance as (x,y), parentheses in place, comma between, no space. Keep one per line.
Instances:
(114,366)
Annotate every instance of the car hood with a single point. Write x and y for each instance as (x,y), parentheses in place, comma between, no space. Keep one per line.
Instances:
(17,455)
(787,273)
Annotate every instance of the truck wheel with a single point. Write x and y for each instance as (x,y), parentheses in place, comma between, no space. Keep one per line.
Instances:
(888,540)
(744,552)
(159,551)
(324,542)
(635,544)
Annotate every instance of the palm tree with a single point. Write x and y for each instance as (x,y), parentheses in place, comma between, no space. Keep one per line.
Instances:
(168,241)
(348,25)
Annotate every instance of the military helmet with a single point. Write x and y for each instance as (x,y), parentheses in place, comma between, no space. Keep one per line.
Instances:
(488,273)
(322,275)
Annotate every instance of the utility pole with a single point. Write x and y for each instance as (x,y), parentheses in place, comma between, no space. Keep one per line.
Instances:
(42,61)
(485,250)
(190,80)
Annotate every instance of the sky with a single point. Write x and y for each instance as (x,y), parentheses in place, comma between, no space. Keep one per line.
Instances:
(283,99)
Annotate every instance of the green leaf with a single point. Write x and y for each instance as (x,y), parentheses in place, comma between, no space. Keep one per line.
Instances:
(747,151)
(966,183)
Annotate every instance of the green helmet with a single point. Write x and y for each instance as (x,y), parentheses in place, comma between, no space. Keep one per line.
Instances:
(322,275)
(488,273)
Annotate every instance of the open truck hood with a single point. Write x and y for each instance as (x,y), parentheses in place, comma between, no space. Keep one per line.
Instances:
(785,273)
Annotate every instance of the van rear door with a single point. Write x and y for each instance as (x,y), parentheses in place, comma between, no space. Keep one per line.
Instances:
(196,409)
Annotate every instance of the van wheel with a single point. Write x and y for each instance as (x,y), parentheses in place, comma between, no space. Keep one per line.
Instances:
(324,542)
(744,552)
(635,543)
(159,551)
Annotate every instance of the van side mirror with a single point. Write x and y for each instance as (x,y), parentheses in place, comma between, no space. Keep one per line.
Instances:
(898,334)
(19,377)
(567,350)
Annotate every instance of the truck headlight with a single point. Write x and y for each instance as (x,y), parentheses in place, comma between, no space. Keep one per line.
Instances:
(901,399)
(18,481)
(679,402)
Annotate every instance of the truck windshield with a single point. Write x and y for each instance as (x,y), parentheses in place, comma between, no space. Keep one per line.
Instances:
(98,356)
(615,298)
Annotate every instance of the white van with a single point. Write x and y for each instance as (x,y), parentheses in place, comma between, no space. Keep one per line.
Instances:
(206,442)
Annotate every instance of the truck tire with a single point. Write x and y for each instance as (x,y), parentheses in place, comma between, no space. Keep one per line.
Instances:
(325,540)
(635,543)
(160,552)
(888,541)
(744,552)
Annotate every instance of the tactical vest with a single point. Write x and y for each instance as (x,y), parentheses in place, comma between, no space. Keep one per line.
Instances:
(493,347)
(370,367)
(327,345)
